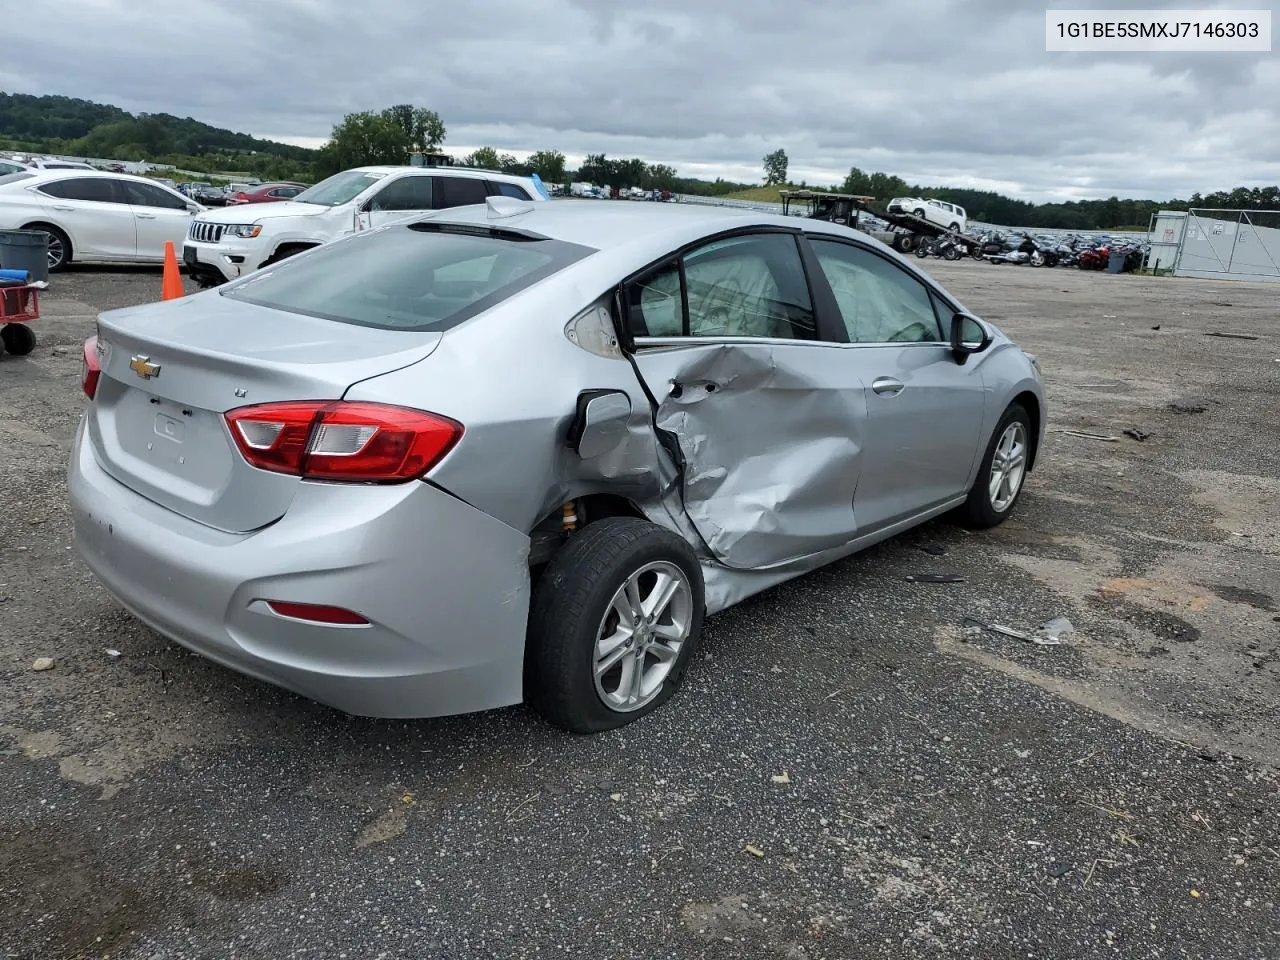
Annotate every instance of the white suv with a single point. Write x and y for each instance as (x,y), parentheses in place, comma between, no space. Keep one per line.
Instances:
(944,214)
(230,242)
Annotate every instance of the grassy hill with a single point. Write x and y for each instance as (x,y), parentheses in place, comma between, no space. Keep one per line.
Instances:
(74,127)
(759,194)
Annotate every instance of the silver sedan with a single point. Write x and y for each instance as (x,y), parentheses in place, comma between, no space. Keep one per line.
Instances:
(518,451)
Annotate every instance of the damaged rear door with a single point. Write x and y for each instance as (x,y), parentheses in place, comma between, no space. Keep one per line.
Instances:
(768,416)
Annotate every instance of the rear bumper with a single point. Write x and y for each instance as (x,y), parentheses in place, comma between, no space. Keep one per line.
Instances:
(444,586)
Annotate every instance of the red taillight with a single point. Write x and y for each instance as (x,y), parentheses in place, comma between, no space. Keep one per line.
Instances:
(316,613)
(333,440)
(90,370)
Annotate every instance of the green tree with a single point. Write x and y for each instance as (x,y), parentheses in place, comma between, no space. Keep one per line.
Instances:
(659,176)
(775,168)
(549,165)
(486,158)
(423,128)
(596,168)
(362,139)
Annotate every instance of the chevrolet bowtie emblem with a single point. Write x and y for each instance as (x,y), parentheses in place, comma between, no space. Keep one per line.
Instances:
(143,367)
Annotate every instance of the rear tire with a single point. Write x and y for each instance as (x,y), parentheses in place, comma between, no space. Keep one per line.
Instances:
(18,338)
(59,245)
(575,622)
(952,253)
(954,228)
(1006,459)
(918,213)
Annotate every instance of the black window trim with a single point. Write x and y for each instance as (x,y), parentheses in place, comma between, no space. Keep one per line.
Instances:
(935,295)
(636,342)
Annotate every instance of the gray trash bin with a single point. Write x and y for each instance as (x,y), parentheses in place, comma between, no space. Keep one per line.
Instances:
(1115,263)
(25,250)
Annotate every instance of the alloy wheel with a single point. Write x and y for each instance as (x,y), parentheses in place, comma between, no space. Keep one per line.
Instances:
(56,251)
(1008,467)
(641,634)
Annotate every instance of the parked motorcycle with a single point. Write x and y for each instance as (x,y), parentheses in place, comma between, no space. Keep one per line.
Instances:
(948,248)
(1094,258)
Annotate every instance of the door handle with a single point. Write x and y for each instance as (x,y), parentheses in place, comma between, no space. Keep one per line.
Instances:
(887,386)
(62,207)
(145,216)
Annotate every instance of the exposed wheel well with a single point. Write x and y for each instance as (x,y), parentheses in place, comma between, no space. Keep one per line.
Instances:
(550,533)
(1032,406)
(287,250)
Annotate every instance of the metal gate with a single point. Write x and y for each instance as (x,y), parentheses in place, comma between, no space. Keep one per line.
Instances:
(1230,245)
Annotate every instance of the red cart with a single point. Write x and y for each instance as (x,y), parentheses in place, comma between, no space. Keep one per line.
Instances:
(18,307)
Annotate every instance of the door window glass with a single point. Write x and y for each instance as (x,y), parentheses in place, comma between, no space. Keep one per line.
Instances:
(461,191)
(146,195)
(879,301)
(407,193)
(656,307)
(749,286)
(743,286)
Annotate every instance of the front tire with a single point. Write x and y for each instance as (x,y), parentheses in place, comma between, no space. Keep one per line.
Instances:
(1000,479)
(615,618)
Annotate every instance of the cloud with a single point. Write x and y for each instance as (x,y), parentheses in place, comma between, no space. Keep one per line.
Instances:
(938,91)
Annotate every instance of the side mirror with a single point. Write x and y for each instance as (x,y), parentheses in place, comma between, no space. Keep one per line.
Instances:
(963,342)
(601,423)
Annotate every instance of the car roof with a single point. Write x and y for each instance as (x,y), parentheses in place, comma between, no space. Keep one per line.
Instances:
(475,172)
(612,224)
(43,176)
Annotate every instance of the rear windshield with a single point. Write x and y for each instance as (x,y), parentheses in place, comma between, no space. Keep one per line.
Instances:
(14,177)
(422,277)
(339,188)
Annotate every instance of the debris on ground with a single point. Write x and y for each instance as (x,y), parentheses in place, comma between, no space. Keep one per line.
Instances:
(111,652)
(1156,327)
(1049,634)
(1187,408)
(1231,336)
(782,777)
(754,851)
(1056,629)
(1089,436)
(932,549)
(1137,434)
(933,578)
(43,663)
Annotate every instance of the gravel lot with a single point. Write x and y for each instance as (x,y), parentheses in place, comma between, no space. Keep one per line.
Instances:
(847,773)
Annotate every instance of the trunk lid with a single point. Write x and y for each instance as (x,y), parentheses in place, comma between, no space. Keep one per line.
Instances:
(170,370)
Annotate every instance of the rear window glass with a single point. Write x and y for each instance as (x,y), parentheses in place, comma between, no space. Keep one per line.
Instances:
(419,277)
(15,177)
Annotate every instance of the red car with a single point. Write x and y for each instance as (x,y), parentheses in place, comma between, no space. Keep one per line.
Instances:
(266,193)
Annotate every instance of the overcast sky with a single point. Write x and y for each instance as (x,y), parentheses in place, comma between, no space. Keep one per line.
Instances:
(948,92)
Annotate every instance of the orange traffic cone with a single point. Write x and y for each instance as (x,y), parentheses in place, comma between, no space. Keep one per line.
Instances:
(171,287)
